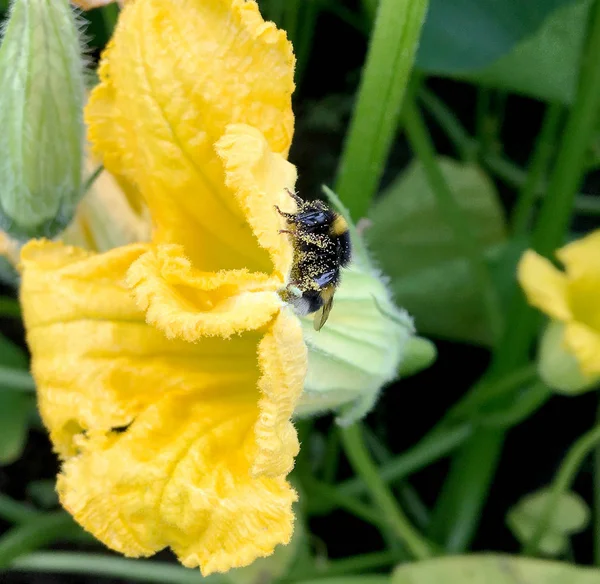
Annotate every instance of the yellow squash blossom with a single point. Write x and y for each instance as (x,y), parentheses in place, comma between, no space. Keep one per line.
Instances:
(570,297)
(168,371)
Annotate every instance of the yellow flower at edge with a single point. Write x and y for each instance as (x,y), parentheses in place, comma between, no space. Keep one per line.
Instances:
(168,371)
(570,297)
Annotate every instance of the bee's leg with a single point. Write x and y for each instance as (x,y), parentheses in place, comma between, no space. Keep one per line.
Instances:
(289,216)
(287,231)
(299,201)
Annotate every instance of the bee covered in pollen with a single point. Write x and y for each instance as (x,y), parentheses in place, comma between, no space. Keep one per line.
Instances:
(322,247)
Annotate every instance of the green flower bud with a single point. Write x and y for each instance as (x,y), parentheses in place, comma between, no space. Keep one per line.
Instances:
(360,348)
(420,353)
(558,368)
(42,93)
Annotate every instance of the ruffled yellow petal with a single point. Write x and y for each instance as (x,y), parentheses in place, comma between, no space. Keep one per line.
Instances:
(283,360)
(584,342)
(582,261)
(259,181)
(175,75)
(186,302)
(179,477)
(544,286)
(166,443)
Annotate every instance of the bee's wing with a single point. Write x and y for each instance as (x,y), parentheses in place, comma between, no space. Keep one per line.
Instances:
(323,313)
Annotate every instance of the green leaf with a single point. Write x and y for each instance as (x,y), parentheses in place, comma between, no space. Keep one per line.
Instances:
(569,516)
(493,569)
(544,65)
(15,411)
(460,35)
(415,247)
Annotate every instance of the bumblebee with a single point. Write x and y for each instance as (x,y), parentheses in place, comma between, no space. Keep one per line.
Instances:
(321,248)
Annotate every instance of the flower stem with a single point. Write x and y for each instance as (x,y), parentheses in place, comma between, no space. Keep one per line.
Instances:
(505,169)
(464,144)
(91,179)
(351,565)
(545,146)
(338,499)
(305,36)
(428,450)
(562,482)
(16,379)
(362,463)
(47,528)
(110,567)
(14,511)
(571,161)
(423,147)
(373,126)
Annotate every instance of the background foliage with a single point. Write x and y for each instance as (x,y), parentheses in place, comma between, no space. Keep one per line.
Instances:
(488,146)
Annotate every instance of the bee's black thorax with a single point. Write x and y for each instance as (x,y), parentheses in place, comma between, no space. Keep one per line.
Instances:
(321,248)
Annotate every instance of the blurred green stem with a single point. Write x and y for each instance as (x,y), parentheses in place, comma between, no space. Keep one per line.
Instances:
(110,567)
(449,434)
(465,490)
(364,466)
(91,179)
(332,455)
(370,8)
(423,147)
(14,511)
(505,169)
(426,451)
(465,145)
(305,35)
(47,528)
(346,15)
(352,565)
(374,121)
(538,168)
(338,499)
(15,379)
(524,406)
(570,165)
(291,17)
(561,484)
